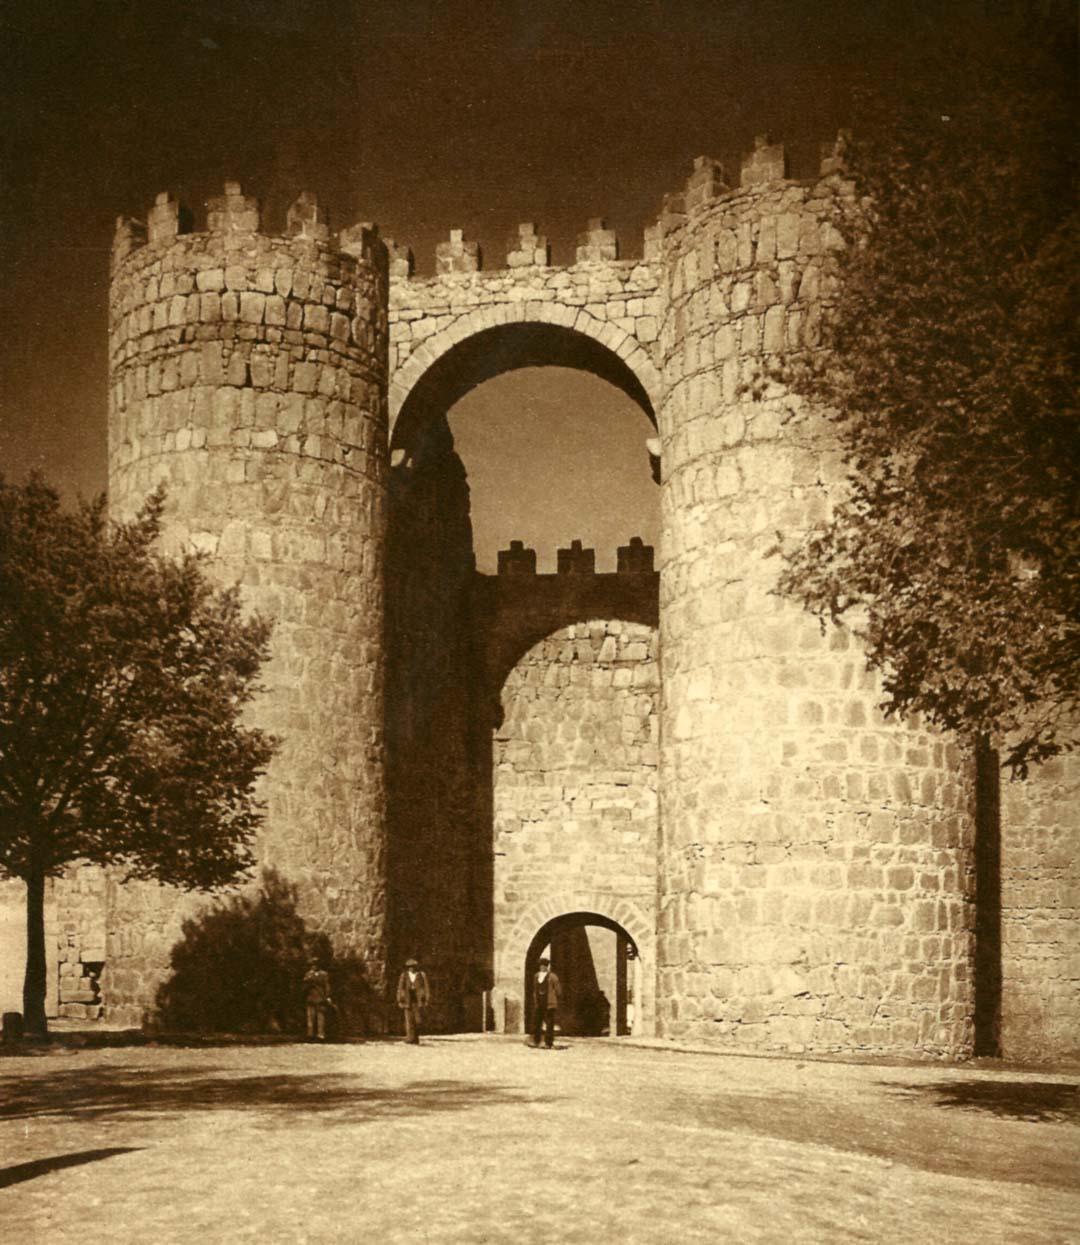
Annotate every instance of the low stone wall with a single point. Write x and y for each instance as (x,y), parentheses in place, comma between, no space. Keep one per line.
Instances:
(1040,913)
(81,937)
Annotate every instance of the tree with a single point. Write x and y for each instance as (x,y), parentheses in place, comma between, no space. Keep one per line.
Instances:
(949,372)
(124,675)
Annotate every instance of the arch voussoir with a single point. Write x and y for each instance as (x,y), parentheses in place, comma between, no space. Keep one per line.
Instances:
(470,321)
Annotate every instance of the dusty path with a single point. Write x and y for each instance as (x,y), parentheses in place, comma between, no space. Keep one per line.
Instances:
(485,1140)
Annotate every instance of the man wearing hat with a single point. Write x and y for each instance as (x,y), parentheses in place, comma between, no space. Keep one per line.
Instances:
(316,1000)
(546,993)
(413,995)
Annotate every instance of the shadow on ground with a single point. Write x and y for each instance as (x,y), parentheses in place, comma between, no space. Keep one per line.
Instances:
(915,1128)
(1039,1102)
(102,1092)
(42,1167)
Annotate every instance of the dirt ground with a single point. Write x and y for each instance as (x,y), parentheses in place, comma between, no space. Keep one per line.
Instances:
(485,1140)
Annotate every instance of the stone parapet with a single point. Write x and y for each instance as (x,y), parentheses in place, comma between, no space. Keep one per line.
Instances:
(528,249)
(615,304)
(457,255)
(517,608)
(598,244)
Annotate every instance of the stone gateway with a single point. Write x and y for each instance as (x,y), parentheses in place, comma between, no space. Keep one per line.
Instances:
(666,773)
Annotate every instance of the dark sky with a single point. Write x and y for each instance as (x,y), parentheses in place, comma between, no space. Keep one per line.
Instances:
(417,114)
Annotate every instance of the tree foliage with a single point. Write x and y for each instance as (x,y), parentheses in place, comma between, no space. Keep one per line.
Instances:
(949,370)
(124,676)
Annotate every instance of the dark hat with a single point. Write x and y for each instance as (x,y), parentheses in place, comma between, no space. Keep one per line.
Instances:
(412,963)
(544,960)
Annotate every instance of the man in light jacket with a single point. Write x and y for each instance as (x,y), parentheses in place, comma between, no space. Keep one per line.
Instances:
(546,994)
(413,995)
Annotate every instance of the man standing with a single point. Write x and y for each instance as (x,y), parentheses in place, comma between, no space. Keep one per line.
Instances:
(413,995)
(546,994)
(317,1000)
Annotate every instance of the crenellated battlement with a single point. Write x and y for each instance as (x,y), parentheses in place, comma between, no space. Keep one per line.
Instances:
(234,221)
(519,561)
(808,862)
(236,218)
(764,167)
(597,244)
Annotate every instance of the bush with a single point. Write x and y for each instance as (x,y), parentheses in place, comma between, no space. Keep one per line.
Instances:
(239,967)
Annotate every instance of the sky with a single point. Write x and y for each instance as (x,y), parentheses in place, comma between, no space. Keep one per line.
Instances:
(421,115)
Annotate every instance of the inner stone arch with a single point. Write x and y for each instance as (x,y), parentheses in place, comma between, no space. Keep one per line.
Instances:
(575,806)
(600,970)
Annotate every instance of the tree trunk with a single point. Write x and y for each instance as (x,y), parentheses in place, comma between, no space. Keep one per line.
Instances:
(34,982)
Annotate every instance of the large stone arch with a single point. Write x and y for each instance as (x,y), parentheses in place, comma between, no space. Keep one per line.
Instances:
(624,911)
(486,341)
(449,626)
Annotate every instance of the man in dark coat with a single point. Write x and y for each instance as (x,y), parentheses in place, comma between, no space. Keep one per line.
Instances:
(546,994)
(413,995)
(317,1000)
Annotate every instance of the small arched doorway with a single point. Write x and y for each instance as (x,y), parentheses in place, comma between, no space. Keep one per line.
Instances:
(599,967)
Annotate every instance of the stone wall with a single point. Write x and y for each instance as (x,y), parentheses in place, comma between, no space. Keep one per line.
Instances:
(248,372)
(574,758)
(75,923)
(80,897)
(815,863)
(813,882)
(602,302)
(1040,912)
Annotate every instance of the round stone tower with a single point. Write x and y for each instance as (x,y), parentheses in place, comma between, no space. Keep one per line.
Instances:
(815,861)
(248,372)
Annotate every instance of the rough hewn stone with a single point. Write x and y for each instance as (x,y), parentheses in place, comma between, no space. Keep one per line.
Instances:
(274,454)
(575,791)
(800,861)
(1040,912)
(814,863)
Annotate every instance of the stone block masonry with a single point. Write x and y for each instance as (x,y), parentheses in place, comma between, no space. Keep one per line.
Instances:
(574,753)
(248,372)
(80,898)
(815,863)
(575,791)
(682,753)
(613,303)
(1040,912)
